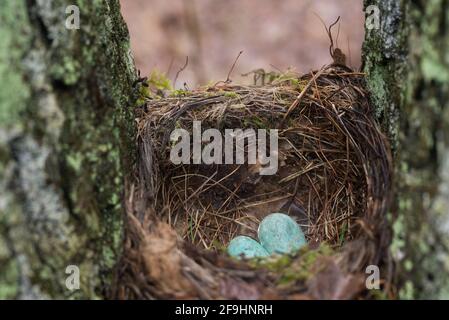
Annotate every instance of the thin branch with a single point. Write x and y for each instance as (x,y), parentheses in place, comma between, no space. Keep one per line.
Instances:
(181,70)
(228,79)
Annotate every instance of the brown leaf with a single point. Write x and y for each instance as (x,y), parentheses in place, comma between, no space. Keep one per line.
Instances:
(331,283)
(231,288)
(162,261)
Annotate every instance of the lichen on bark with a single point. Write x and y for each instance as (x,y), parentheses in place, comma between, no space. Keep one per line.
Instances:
(407,71)
(66,144)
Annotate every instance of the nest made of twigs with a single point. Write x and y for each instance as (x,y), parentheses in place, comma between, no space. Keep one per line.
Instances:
(334,178)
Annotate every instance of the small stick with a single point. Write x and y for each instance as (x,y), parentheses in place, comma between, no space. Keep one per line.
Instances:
(303,92)
(181,70)
(329,32)
(228,80)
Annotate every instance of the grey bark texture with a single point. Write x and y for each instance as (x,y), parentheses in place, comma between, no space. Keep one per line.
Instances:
(66,143)
(407,68)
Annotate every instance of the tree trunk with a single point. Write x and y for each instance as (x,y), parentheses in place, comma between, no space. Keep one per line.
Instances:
(408,70)
(66,143)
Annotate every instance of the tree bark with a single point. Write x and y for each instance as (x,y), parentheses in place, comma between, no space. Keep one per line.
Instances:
(408,71)
(66,144)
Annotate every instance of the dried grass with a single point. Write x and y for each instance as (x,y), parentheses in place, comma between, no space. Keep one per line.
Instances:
(334,179)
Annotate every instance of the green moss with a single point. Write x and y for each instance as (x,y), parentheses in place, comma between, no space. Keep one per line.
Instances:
(231,94)
(291,269)
(378,88)
(13,91)
(9,272)
(301,269)
(378,295)
(290,79)
(407,291)
(433,50)
(144,94)
(397,246)
(75,161)
(68,71)
(158,81)
(157,85)
(180,93)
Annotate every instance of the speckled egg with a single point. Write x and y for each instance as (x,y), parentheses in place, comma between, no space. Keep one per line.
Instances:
(246,247)
(278,233)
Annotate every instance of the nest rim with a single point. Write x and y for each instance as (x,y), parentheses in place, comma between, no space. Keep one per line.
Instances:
(370,231)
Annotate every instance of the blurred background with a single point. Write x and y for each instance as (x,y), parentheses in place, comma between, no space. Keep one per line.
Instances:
(273,35)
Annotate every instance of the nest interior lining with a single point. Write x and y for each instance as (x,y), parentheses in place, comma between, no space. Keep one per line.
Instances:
(321,180)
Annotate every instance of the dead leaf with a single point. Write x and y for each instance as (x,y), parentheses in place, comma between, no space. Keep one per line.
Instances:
(331,283)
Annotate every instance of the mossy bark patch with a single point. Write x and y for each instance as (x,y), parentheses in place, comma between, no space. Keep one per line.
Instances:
(407,72)
(66,147)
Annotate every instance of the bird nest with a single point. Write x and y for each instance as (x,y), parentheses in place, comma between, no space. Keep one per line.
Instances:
(333,176)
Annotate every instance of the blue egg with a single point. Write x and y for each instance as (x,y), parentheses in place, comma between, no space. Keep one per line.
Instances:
(278,233)
(246,247)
